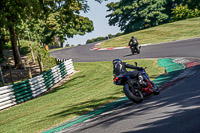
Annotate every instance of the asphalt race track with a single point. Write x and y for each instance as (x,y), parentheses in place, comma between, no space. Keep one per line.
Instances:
(175,110)
(186,48)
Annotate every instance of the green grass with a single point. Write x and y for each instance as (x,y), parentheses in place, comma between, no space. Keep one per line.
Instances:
(88,89)
(179,30)
(55,49)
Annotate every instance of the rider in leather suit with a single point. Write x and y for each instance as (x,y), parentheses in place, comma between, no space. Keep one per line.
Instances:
(119,67)
(133,43)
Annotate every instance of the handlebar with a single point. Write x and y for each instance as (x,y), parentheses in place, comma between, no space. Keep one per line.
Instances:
(137,64)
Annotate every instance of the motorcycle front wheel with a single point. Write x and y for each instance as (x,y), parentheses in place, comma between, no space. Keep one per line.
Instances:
(138,50)
(135,95)
(132,51)
(156,90)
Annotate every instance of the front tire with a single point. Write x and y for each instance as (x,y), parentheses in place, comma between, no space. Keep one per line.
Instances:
(132,51)
(156,90)
(137,49)
(134,95)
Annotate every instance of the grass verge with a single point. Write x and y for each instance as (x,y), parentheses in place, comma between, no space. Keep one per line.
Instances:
(88,89)
(55,49)
(179,30)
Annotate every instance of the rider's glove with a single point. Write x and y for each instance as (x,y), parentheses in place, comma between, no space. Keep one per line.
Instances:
(140,68)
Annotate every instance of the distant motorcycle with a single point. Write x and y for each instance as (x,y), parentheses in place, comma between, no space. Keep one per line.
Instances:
(135,49)
(132,88)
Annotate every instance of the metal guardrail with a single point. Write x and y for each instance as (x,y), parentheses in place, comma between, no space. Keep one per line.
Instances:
(28,89)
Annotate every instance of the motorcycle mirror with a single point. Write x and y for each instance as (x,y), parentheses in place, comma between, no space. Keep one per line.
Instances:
(135,63)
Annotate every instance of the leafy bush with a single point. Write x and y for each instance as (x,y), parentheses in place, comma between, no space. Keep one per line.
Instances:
(183,12)
(103,38)
(40,51)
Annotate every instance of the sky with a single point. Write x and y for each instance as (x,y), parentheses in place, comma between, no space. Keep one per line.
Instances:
(97,14)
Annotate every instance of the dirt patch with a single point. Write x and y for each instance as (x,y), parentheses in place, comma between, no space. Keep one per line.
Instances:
(12,75)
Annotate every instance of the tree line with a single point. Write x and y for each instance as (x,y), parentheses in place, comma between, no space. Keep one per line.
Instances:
(133,15)
(103,38)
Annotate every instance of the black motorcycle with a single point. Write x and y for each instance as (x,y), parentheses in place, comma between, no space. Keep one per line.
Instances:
(132,88)
(135,49)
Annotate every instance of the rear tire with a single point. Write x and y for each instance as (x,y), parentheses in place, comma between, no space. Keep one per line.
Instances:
(136,97)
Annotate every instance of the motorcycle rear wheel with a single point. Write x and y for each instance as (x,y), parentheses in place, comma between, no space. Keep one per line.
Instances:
(135,96)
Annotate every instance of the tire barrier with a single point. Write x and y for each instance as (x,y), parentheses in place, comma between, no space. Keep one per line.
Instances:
(31,88)
(58,60)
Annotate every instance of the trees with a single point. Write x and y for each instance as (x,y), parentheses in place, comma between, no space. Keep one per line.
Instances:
(192,4)
(63,27)
(131,15)
(12,14)
(186,9)
(38,16)
(66,21)
(183,12)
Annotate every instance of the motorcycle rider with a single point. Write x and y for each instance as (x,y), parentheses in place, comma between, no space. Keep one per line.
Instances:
(119,68)
(133,43)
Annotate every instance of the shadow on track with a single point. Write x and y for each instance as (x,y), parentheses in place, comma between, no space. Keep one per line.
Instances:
(176,110)
(127,55)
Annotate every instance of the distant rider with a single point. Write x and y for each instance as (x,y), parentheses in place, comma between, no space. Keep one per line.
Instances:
(119,68)
(133,43)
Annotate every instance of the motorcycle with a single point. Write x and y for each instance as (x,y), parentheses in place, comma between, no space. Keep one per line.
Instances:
(135,49)
(132,88)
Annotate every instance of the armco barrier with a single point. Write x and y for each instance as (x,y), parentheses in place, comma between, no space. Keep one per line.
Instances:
(28,89)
